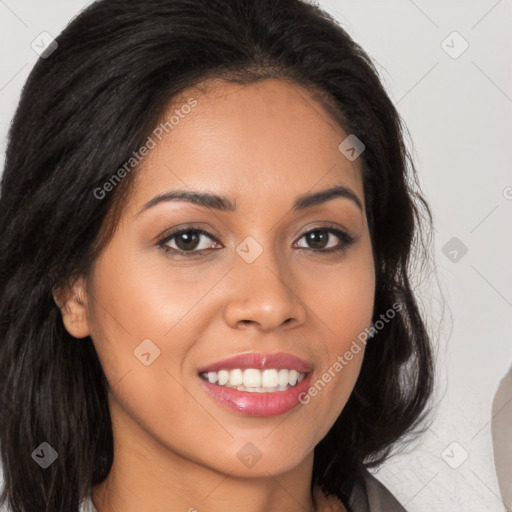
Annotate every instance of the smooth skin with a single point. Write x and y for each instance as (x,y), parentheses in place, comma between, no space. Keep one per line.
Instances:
(175,448)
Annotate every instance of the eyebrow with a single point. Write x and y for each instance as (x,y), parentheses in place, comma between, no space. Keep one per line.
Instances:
(222,203)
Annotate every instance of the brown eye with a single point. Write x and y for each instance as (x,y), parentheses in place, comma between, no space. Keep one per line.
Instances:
(319,238)
(187,241)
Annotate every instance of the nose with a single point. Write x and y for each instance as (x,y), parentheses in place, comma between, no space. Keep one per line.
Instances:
(262,294)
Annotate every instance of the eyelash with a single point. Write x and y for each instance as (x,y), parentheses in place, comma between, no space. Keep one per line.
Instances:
(346,241)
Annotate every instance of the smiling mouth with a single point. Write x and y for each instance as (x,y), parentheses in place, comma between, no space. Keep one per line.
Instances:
(252,380)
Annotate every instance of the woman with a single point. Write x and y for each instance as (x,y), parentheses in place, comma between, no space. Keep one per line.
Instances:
(206,223)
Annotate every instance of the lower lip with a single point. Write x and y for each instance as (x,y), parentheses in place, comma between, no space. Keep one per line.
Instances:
(258,404)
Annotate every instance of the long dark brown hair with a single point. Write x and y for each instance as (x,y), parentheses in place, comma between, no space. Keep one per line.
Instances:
(84,110)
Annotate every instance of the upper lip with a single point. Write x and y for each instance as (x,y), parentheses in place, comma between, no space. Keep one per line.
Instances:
(259,361)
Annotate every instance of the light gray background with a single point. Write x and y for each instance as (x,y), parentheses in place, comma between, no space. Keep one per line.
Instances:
(458,112)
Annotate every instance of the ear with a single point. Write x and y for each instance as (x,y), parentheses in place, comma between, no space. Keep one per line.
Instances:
(72,302)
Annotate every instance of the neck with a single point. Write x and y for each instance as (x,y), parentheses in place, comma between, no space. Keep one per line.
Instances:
(147,475)
(206,490)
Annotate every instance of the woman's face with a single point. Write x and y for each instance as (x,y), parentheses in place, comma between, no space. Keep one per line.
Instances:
(252,284)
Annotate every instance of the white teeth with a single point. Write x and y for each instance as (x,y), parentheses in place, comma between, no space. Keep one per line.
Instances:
(254,380)
(269,378)
(262,390)
(236,377)
(223,377)
(282,378)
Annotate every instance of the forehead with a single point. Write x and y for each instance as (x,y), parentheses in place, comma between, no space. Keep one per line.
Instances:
(269,139)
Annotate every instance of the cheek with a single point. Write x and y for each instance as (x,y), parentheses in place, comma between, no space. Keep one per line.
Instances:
(343,296)
(135,300)
(345,307)
(147,294)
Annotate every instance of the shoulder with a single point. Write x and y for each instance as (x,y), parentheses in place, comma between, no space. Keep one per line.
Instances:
(370,495)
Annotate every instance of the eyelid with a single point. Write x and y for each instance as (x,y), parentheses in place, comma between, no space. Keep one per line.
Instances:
(346,239)
(184,229)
